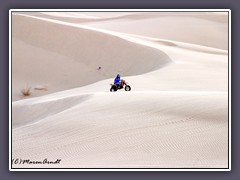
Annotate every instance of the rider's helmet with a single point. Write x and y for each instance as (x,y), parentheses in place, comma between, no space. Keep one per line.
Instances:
(118,75)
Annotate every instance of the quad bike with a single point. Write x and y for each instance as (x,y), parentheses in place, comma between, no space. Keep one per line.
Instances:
(123,84)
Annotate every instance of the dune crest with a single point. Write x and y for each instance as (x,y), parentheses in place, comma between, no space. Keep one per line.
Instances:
(74,52)
(27,113)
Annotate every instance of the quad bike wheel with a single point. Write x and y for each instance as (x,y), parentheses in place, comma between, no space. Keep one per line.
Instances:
(113,88)
(127,88)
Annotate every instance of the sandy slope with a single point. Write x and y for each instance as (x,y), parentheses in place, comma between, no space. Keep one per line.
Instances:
(75,54)
(137,129)
(201,28)
(175,116)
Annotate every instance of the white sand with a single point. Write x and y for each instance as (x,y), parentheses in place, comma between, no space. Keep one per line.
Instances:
(176,115)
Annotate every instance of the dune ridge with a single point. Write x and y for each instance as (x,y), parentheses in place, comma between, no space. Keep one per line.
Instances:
(208,29)
(55,42)
(23,113)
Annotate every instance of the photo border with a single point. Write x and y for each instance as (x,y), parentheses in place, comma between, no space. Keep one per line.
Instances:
(120,10)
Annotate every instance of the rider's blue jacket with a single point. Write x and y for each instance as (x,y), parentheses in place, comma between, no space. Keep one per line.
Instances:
(117,80)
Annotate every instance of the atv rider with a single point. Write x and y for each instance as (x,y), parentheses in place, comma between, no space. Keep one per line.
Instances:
(117,80)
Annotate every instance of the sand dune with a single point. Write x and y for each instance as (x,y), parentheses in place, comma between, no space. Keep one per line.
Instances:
(203,28)
(75,54)
(25,113)
(197,28)
(176,115)
(138,129)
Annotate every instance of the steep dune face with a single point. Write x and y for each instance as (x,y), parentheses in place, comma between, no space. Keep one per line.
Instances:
(30,112)
(207,29)
(68,57)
